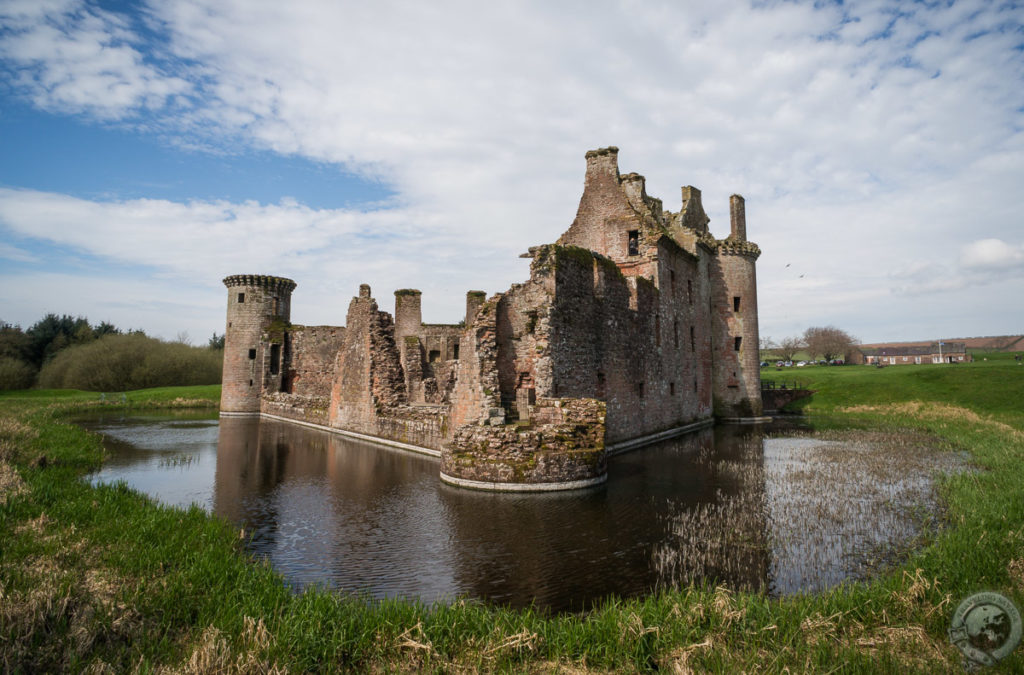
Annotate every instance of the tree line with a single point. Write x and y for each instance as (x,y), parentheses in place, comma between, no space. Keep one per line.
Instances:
(65,352)
(826,342)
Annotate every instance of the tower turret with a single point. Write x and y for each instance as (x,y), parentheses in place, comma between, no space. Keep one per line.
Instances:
(255,302)
(736,375)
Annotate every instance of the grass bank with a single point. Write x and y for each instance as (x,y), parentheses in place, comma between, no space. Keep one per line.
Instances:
(103,579)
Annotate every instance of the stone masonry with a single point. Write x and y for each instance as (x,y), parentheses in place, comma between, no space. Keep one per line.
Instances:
(635,325)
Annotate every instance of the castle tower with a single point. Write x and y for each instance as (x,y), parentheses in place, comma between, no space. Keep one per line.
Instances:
(255,301)
(736,374)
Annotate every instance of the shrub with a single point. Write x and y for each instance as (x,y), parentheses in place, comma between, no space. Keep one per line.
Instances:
(15,373)
(133,361)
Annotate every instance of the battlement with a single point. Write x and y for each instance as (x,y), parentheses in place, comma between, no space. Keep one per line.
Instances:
(280,284)
(738,247)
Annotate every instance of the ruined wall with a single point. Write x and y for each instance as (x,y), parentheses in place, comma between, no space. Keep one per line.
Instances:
(310,359)
(565,444)
(613,338)
(477,395)
(369,374)
(615,216)
(304,408)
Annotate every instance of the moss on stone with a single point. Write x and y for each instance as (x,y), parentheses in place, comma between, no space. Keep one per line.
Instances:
(580,256)
(407,291)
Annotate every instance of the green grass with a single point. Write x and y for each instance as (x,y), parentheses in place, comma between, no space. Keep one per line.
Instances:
(994,387)
(104,578)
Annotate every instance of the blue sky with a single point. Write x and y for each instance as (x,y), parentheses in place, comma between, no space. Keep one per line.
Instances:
(148,149)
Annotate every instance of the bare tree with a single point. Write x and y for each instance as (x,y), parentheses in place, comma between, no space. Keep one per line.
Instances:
(828,342)
(788,347)
(766,345)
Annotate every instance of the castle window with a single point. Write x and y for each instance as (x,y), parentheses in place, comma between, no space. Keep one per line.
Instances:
(672,281)
(675,333)
(689,290)
(435,355)
(275,359)
(250,383)
(735,303)
(695,384)
(737,342)
(671,388)
(241,297)
(634,242)
(657,330)
(600,385)
(252,353)
(274,307)
(455,352)
(640,389)
(693,341)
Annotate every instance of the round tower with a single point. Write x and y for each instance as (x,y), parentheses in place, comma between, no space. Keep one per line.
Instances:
(254,302)
(736,369)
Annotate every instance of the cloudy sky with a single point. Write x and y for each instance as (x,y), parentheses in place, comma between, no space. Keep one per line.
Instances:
(148,149)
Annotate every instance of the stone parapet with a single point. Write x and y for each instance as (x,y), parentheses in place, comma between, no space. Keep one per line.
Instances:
(738,247)
(280,284)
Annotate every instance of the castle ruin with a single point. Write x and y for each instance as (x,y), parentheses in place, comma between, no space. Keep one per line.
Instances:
(636,325)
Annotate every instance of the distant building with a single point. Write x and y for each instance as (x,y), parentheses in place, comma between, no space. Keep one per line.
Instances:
(910,354)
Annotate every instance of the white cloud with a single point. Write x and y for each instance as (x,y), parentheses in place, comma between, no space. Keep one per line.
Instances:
(992,254)
(74,58)
(872,146)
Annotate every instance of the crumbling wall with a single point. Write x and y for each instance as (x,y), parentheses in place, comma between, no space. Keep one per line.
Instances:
(477,395)
(369,375)
(311,357)
(304,408)
(564,443)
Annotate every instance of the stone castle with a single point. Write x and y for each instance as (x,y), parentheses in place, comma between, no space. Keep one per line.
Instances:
(635,326)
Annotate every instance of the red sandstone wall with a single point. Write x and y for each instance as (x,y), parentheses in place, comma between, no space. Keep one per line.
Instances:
(311,358)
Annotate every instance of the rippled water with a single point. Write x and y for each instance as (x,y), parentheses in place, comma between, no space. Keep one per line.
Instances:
(368,519)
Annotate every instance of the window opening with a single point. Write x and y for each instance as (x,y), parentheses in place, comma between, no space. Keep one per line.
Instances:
(689,290)
(275,359)
(455,352)
(675,333)
(671,388)
(738,341)
(735,303)
(600,385)
(252,353)
(672,281)
(634,242)
(241,297)
(250,383)
(657,330)
(640,389)
(435,355)
(693,341)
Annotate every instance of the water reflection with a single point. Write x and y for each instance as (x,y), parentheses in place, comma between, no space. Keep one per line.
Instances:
(325,509)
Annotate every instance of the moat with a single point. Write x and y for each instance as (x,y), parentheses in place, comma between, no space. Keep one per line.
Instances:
(728,504)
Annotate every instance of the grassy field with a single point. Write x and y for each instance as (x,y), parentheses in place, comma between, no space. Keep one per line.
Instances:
(104,580)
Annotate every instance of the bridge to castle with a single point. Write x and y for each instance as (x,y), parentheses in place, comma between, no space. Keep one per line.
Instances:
(777,394)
